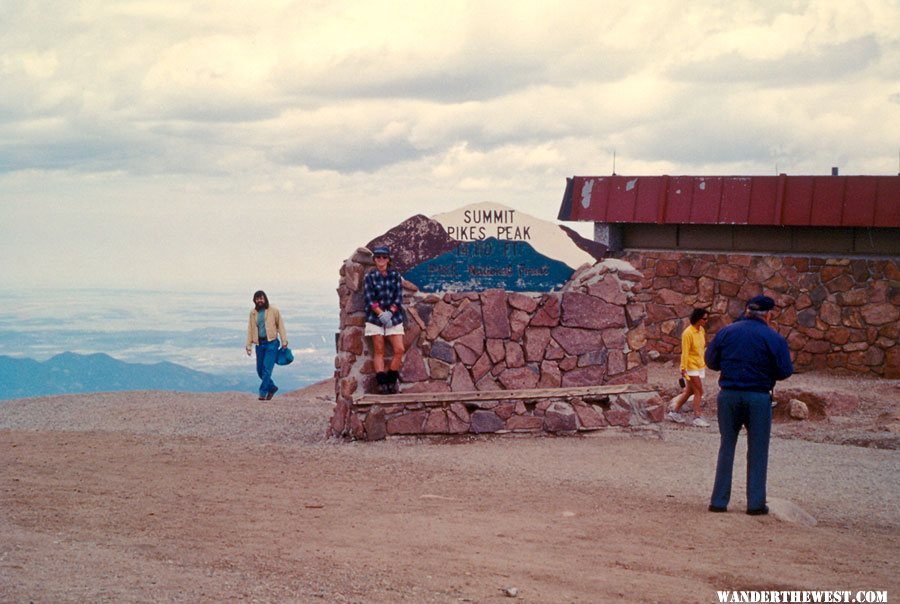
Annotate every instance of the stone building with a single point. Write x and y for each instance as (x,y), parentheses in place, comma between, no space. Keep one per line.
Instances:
(825,247)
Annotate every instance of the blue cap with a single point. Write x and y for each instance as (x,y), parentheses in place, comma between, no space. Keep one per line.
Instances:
(382,250)
(761,303)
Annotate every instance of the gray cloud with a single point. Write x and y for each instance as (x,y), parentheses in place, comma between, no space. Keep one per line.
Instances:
(826,63)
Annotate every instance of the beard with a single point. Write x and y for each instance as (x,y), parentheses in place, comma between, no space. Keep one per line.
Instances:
(260,306)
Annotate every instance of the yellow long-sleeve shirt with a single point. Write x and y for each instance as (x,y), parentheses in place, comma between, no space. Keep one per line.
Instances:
(693,345)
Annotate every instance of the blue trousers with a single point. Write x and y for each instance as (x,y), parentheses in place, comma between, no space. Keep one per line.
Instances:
(753,410)
(265,363)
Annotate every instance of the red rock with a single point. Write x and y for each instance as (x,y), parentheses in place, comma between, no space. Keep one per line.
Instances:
(481,367)
(841,284)
(409,423)
(348,386)
(609,290)
(577,341)
(524,423)
(442,351)
(591,375)
(437,422)
(440,316)
(614,338)
(615,363)
(483,422)
(487,383)
(634,313)
(551,376)
(548,313)
(493,309)
(515,356)
(496,350)
(413,369)
(457,419)
(618,417)
(376,428)
(636,338)
(880,314)
(522,302)
(595,357)
(731,274)
(583,310)
(568,363)
(657,313)
(854,297)
(460,380)
(351,340)
(470,346)
(519,378)
(656,413)
(838,335)
(554,351)
(505,410)
(589,417)
(536,340)
(518,322)
(463,323)
(560,417)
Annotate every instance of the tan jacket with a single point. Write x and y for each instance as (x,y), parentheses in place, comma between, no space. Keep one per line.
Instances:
(274,325)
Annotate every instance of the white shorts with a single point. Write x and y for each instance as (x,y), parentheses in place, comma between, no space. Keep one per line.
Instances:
(700,373)
(381,330)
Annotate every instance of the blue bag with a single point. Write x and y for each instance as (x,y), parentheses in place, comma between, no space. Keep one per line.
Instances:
(284,357)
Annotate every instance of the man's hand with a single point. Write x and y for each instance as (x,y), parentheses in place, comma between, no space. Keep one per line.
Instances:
(248,349)
(385,318)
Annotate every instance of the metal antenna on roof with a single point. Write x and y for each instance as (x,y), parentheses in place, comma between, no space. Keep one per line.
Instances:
(614,162)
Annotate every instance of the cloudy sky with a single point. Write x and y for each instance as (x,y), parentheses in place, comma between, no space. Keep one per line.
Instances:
(231,144)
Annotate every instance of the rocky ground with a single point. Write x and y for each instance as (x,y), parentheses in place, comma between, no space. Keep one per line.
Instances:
(160,496)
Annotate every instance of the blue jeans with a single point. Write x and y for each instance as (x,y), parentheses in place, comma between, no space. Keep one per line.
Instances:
(753,410)
(265,363)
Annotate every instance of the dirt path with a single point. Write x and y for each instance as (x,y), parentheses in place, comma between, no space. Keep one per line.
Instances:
(164,497)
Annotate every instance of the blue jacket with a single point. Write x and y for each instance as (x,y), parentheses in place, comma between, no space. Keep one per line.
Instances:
(750,354)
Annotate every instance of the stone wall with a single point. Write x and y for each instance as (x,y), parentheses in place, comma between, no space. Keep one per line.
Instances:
(836,313)
(589,333)
(552,411)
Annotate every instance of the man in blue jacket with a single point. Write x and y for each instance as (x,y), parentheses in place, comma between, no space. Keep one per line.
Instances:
(751,357)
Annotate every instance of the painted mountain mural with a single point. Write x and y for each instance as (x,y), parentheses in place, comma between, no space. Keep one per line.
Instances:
(485,246)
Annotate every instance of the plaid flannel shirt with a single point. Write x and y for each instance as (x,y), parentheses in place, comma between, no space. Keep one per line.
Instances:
(386,292)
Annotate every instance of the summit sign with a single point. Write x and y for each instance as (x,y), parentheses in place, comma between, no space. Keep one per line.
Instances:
(491,246)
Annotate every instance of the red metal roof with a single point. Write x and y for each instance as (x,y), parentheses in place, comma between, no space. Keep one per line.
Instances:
(835,201)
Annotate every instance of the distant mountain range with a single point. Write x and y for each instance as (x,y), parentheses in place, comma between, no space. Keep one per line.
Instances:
(71,373)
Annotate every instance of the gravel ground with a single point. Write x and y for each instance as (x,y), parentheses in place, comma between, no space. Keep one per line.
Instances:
(149,496)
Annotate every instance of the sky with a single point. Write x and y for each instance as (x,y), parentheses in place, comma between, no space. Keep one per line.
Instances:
(149,144)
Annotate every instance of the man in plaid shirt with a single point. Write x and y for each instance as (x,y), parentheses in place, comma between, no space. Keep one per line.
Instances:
(383,289)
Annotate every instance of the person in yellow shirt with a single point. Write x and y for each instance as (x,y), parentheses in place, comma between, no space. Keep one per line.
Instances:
(693,368)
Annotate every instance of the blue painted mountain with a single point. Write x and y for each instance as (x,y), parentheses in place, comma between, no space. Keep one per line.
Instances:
(70,373)
(487,264)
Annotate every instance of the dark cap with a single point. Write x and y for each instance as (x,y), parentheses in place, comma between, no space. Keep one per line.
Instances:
(382,250)
(761,303)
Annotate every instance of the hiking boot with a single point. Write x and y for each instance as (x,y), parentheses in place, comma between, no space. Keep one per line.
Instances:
(271,393)
(699,422)
(393,381)
(383,386)
(674,416)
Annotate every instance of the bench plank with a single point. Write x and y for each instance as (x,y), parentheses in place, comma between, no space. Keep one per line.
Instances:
(496,395)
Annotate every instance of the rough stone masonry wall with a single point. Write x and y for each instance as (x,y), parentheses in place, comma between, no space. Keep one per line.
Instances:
(589,333)
(836,313)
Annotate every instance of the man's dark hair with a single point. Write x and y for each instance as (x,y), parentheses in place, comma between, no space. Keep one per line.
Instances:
(698,314)
(264,296)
